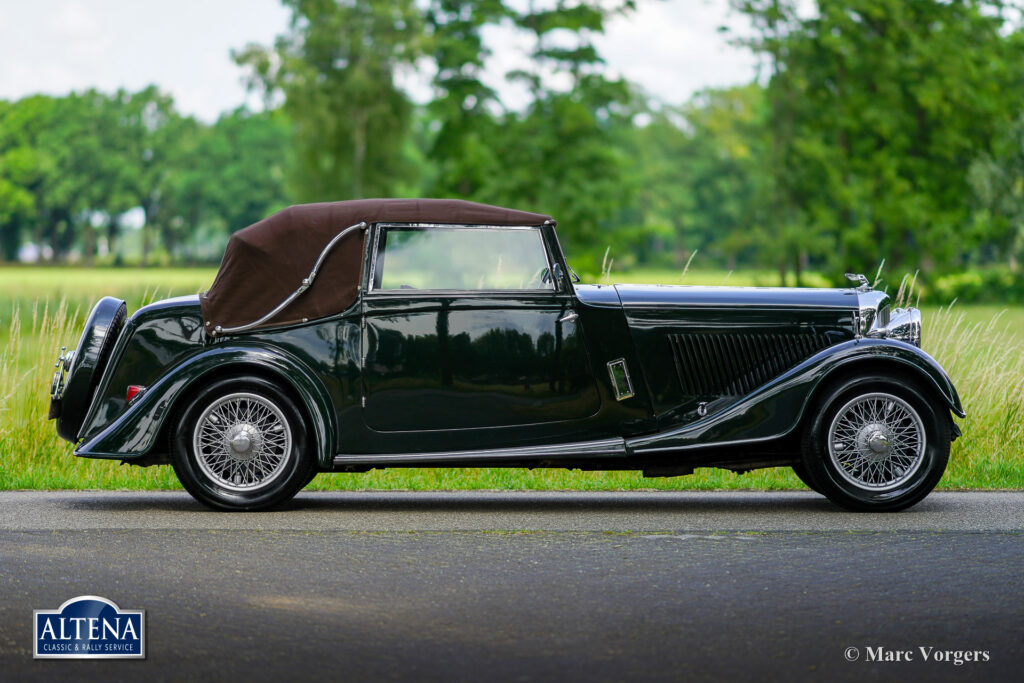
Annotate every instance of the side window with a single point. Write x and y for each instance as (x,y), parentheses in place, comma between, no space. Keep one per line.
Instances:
(461,259)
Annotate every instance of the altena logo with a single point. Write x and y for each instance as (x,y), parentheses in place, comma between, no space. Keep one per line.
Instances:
(89,627)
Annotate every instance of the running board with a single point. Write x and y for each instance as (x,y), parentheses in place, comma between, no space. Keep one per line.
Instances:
(606,448)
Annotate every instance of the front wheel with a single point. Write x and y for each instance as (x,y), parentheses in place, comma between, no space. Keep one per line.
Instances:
(880,445)
(241,444)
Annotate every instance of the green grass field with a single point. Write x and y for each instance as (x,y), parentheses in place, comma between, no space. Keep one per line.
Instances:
(982,348)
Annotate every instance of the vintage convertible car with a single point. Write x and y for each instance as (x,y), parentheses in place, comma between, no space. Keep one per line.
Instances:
(346,336)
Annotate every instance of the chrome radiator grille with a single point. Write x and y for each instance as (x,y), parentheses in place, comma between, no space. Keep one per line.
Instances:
(737,363)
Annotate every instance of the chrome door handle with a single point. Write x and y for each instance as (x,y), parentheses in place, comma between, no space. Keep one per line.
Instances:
(568,317)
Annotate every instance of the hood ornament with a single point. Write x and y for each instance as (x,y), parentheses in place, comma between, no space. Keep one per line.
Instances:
(859,277)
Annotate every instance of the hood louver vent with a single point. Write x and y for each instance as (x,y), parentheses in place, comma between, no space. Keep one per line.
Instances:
(735,364)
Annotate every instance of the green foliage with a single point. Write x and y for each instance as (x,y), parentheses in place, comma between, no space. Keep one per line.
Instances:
(700,176)
(461,150)
(997,178)
(982,285)
(878,129)
(561,153)
(877,109)
(70,168)
(336,69)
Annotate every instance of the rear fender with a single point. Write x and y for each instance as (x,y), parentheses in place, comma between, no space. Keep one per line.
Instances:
(134,433)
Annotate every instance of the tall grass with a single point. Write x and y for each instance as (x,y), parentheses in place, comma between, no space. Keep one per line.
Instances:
(981,347)
(31,453)
(985,359)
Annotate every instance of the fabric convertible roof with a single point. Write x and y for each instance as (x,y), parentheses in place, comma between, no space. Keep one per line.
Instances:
(266,262)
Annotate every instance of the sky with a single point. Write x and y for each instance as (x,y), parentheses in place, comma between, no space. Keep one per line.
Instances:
(670,48)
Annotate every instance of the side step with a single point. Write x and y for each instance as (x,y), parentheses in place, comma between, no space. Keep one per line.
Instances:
(603,448)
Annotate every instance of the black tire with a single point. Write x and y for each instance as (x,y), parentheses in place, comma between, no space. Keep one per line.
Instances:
(801,473)
(311,477)
(894,477)
(102,329)
(280,457)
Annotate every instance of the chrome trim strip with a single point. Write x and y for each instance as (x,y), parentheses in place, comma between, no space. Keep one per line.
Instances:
(602,447)
(646,450)
(773,306)
(465,293)
(306,283)
(458,226)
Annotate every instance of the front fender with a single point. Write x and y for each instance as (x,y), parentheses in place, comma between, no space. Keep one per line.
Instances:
(777,408)
(907,355)
(133,434)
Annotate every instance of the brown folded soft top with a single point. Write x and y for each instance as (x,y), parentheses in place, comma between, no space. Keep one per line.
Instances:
(266,262)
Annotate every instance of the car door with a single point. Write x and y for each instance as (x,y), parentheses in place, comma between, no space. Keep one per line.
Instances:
(465,329)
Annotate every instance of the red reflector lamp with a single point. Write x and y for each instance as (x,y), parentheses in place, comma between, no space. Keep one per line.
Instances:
(133,391)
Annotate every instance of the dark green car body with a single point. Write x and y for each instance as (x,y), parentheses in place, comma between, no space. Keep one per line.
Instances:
(655,378)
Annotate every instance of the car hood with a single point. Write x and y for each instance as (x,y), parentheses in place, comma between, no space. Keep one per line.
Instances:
(640,296)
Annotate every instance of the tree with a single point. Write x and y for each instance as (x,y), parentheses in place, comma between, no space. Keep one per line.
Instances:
(463,108)
(701,178)
(336,69)
(226,177)
(20,174)
(154,140)
(245,158)
(72,170)
(561,154)
(997,179)
(878,108)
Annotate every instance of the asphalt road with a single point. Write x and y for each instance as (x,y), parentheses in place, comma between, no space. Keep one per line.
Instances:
(524,586)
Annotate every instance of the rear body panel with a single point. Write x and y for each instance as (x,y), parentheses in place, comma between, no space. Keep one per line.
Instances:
(155,339)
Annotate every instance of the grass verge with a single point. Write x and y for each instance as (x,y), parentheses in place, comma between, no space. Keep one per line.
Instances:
(980,346)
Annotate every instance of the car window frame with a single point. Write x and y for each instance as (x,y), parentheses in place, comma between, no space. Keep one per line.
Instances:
(373,254)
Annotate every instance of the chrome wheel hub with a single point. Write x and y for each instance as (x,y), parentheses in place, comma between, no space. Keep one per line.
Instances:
(877,441)
(242,442)
(245,441)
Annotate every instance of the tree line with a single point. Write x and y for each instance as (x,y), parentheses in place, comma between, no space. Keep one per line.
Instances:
(876,128)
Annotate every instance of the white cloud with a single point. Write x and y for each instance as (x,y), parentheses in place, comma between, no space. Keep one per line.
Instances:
(74,21)
(673,49)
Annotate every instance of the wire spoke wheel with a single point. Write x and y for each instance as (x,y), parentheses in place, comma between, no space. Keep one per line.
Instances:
(877,441)
(242,442)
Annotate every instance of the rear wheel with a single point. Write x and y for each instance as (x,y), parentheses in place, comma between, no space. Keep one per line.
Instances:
(241,444)
(879,445)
